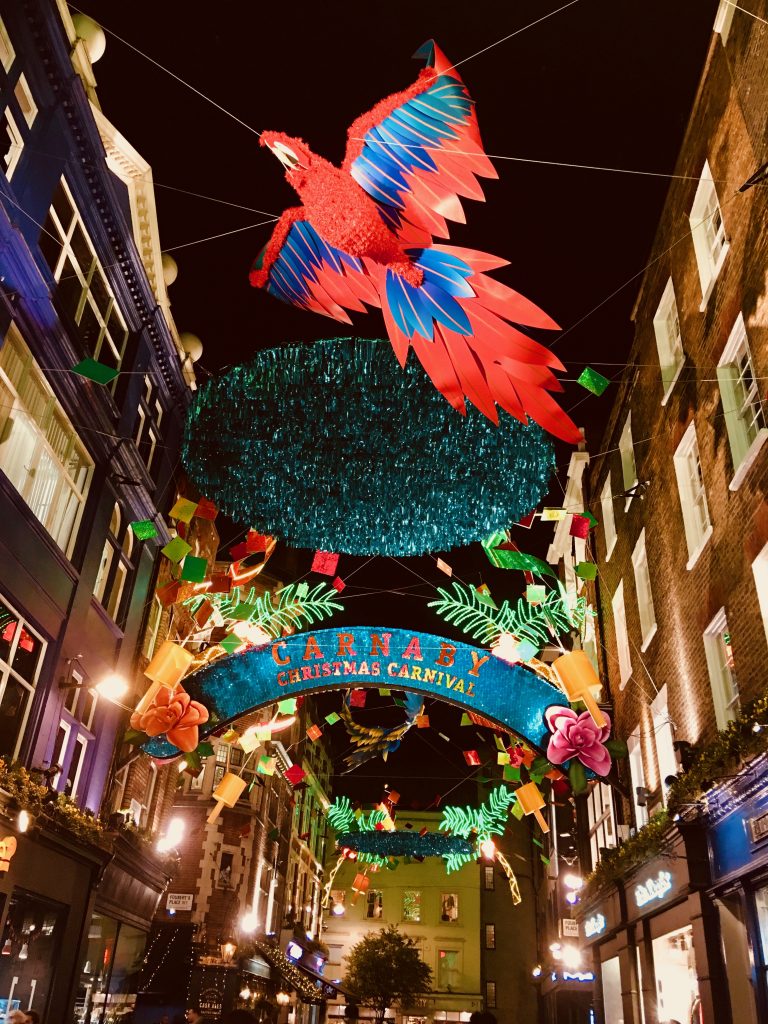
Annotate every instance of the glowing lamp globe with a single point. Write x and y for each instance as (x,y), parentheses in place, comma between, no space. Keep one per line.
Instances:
(92,34)
(191,345)
(170,269)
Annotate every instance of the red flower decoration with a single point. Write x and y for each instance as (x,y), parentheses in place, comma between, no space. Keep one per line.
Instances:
(174,714)
(577,736)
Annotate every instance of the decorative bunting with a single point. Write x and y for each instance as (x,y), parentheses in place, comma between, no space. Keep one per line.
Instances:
(176,549)
(183,510)
(444,567)
(527,521)
(422,721)
(357,698)
(535,594)
(332,718)
(295,774)
(593,381)
(580,526)
(206,510)
(194,569)
(325,562)
(287,706)
(586,570)
(553,515)
(97,372)
(521,560)
(144,529)
(266,765)
(338,584)
(314,732)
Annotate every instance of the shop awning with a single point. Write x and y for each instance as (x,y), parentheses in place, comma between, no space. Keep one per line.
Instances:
(331,989)
(295,977)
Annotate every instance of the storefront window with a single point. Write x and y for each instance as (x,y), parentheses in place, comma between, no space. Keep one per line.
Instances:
(677,989)
(761,902)
(30,945)
(110,974)
(613,1008)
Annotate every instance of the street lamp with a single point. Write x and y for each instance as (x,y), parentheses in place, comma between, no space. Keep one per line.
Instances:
(228,950)
(112,687)
(283,998)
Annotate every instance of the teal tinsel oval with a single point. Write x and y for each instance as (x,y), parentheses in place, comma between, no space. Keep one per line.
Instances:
(332,446)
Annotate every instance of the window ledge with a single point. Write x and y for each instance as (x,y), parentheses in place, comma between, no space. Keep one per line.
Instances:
(707,292)
(746,463)
(628,502)
(647,640)
(671,385)
(697,553)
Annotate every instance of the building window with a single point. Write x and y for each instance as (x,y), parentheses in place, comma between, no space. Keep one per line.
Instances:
(723,19)
(24,98)
(73,738)
(150,415)
(115,567)
(760,572)
(742,404)
(374,907)
(609,521)
(13,144)
(83,290)
(628,467)
(644,593)
(447,970)
(602,833)
(669,342)
(708,233)
(489,882)
(490,995)
(664,738)
(725,687)
(7,53)
(152,630)
(40,452)
(637,774)
(449,906)
(34,936)
(411,905)
(693,497)
(674,964)
(622,637)
(21,656)
(490,936)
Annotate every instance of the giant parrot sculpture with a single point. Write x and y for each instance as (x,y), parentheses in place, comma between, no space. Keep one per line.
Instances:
(364,234)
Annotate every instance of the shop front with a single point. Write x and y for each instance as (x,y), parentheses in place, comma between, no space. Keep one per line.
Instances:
(737,819)
(46,889)
(651,938)
(112,956)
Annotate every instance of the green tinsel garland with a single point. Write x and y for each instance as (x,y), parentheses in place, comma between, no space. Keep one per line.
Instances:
(405,844)
(333,447)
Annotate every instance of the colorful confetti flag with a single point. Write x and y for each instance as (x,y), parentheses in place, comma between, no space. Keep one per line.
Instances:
(287,706)
(422,721)
(579,527)
(338,584)
(194,569)
(535,594)
(231,643)
(184,509)
(593,381)
(314,732)
(471,757)
(526,650)
(586,570)
(176,549)
(325,562)
(333,718)
(97,372)
(295,774)
(266,765)
(357,698)
(206,510)
(553,515)
(144,529)
(444,567)
(527,521)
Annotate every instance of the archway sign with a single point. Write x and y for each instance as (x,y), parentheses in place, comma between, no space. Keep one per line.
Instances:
(512,696)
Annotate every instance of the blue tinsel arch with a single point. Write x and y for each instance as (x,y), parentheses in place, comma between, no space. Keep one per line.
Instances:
(332,446)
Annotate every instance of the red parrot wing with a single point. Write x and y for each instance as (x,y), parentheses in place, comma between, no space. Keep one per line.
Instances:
(298,266)
(418,150)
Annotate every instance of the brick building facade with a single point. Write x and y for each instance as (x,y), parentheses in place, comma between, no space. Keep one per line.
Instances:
(679,486)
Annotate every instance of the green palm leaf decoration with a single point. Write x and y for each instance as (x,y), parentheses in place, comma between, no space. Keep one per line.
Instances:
(466,609)
(294,607)
(340,815)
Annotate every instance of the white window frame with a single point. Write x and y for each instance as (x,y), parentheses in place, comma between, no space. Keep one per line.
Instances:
(637,775)
(13,155)
(723,19)
(644,592)
(7,671)
(82,742)
(669,341)
(86,276)
(26,100)
(7,50)
(623,653)
(46,419)
(706,208)
(742,403)
(760,572)
(725,691)
(66,728)
(628,464)
(693,495)
(664,739)
(608,516)
(602,827)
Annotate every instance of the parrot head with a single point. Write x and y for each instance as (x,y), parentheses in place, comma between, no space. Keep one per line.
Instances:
(292,153)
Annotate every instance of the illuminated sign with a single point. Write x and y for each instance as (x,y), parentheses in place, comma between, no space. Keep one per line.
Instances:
(578,976)
(594,925)
(653,889)
(360,656)
(294,951)
(180,900)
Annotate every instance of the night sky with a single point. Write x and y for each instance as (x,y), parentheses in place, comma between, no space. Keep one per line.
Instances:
(599,83)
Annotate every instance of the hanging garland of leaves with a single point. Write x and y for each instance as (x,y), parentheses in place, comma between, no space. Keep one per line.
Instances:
(471,612)
(480,823)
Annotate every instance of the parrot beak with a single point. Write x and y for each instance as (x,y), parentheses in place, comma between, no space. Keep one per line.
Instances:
(285,155)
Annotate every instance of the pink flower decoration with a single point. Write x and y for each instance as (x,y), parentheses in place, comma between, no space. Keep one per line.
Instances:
(176,715)
(577,736)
